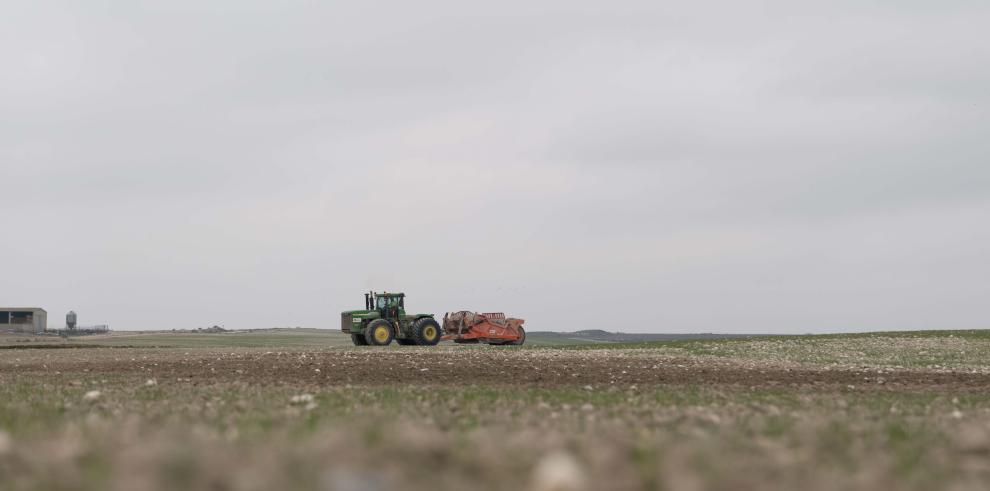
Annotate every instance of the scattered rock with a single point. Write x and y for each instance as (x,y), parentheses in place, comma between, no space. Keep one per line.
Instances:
(6,444)
(92,396)
(342,479)
(302,399)
(973,439)
(151,383)
(558,472)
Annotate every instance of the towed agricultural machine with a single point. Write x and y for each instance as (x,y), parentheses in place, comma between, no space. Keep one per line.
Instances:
(384,319)
(493,328)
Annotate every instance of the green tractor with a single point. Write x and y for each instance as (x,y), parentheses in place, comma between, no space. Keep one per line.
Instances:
(384,318)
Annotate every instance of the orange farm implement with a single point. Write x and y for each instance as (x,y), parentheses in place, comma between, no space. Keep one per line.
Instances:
(491,328)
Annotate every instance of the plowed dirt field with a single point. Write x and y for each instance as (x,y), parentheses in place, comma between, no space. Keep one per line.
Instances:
(455,365)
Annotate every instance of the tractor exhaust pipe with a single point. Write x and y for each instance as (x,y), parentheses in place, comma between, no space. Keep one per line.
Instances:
(367,302)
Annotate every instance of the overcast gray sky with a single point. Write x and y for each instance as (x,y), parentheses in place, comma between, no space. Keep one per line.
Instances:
(715,166)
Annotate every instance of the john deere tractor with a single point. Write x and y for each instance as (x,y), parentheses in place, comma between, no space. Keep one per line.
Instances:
(384,318)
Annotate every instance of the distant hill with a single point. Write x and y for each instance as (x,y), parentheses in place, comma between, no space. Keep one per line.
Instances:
(600,336)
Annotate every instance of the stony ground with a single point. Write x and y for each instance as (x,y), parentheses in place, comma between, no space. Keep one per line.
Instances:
(864,412)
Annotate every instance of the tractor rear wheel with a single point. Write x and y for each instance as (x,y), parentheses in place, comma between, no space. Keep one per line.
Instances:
(358,339)
(521,340)
(379,333)
(426,332)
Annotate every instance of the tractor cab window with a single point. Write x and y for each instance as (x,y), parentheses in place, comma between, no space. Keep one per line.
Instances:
(384,302)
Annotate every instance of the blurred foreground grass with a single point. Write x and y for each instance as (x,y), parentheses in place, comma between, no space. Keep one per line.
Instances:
(102,432)
(101,429)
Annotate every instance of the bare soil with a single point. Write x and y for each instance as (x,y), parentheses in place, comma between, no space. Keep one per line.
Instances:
(470,366)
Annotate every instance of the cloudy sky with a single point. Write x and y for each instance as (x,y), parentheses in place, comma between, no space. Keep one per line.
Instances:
(715,166)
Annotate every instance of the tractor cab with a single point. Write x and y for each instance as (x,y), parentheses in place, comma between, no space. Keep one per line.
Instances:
(389,305)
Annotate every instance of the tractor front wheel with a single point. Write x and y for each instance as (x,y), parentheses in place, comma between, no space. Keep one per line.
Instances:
(358,339)
(426,332)
(379,333)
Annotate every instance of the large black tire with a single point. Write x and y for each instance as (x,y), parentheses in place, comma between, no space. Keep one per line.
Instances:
(521,340)
(426,332)
(358,339)
(405,341)
(379,333)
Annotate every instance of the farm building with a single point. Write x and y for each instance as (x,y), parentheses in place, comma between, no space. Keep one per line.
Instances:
(23,319)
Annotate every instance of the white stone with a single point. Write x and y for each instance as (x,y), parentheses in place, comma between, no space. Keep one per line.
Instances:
(558,472)
(302,398)
(6,444)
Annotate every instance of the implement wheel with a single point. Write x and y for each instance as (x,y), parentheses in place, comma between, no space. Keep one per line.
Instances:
(358,339)
(379,333)
(521,340)
(426,332)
